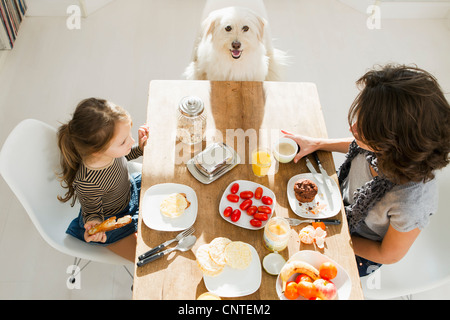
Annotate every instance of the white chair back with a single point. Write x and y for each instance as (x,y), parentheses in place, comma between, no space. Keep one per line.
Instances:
(425,266)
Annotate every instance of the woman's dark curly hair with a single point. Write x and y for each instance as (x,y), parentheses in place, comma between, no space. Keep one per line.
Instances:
(402,114)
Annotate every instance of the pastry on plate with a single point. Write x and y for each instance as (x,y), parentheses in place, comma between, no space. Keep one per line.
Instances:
(305,190)
(174,205)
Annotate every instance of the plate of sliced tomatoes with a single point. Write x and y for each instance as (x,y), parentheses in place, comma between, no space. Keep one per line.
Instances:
(247,204)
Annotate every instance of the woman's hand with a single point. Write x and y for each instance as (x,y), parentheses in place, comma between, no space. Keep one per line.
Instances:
(98,237)
(143,133)
(307,144)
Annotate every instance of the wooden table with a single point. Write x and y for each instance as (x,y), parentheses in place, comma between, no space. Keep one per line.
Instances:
(233,110)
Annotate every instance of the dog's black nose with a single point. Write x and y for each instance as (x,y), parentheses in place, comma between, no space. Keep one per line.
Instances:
(236,45)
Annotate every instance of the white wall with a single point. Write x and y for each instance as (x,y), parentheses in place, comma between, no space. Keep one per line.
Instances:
(404,9)
(55,8)
(3,54)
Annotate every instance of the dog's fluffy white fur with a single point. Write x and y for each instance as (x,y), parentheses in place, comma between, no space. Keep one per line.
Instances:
(235,45)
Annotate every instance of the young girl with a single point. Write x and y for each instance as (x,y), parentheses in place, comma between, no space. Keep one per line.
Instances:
(95,146)
(400,122)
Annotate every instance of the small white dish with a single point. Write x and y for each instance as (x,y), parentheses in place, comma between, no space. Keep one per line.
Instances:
(244,221)
(320,204)
(151,201)
(341,281)
(285,157)
(235,282)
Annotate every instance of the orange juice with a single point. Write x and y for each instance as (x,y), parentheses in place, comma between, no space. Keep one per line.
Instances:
(261,161)
(276,234)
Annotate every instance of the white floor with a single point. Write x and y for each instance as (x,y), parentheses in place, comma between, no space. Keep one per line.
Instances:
(123,46)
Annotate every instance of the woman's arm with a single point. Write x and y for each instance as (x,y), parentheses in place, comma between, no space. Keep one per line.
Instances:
(309,145)
(392,249)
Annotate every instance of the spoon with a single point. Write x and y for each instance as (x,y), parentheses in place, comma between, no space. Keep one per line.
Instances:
(185,244)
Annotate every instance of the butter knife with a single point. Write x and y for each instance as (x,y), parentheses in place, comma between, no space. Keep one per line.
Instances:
(321,179)
(323,171)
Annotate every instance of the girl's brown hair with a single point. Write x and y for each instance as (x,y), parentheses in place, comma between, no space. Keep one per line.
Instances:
(402,114)
(89,131)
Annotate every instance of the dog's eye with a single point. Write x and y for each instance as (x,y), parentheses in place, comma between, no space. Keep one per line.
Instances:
(245,28)
(228,28)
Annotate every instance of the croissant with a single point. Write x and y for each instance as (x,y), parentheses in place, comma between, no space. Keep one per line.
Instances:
(110,224)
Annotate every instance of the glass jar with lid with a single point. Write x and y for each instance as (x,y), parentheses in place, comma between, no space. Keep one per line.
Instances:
(191,125)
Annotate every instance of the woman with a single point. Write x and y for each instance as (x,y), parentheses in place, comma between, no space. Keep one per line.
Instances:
(400,123)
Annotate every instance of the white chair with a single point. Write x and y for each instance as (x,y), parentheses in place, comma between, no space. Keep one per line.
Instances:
(426,265)
(29,160)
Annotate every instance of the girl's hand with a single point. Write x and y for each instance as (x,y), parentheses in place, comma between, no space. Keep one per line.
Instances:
(307,144)
(143,133)
(98,237)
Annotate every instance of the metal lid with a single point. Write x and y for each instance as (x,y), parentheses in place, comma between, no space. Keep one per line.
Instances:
(191,106)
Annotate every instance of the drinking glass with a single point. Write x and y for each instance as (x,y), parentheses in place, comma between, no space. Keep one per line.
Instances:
(276,234)
(276,237)
(261,162)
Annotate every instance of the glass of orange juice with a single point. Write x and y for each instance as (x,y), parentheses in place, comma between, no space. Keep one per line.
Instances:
(261,162)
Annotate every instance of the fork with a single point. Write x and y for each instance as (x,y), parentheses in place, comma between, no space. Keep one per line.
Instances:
(180,236)
(296,222)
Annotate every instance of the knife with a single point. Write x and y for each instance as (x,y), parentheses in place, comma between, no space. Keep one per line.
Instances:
(180,236)
(323,171)
(322,180)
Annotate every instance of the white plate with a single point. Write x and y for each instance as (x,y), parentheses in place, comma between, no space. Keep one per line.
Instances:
(245,185)
(319,200)
(151,213)
(342,281)
(235,282)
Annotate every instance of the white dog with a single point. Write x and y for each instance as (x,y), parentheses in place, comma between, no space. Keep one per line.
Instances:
(235,45)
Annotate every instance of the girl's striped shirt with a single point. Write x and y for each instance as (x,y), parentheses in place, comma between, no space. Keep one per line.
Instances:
(104,192)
